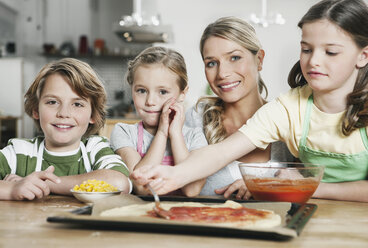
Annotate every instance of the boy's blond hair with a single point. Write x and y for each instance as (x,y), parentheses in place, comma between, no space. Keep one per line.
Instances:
(82,79)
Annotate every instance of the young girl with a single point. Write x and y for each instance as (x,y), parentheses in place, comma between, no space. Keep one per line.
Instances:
(233,58)
(67,102)
(158,79)
(323,119)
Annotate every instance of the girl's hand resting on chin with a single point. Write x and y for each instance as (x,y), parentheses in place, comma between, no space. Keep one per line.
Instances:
(177,118)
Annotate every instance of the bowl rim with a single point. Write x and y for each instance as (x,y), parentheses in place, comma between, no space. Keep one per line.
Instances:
(94,193)
(278,165)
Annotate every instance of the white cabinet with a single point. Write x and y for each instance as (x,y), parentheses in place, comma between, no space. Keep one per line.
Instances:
(11,90)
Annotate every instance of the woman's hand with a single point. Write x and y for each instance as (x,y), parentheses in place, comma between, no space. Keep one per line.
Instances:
(239,186)
(34,185)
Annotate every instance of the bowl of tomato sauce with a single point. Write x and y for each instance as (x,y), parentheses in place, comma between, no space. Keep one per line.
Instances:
(281,181)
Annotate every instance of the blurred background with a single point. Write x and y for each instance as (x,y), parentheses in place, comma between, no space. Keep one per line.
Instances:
(108,33)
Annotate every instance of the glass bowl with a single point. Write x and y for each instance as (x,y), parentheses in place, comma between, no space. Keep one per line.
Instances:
(281,181)
(90,197)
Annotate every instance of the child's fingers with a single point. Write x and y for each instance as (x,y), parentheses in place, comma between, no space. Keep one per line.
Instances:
(167,104)
(38,187)
(156,183)
(28,191)
(141,175)
(37,191)
(49,175)
(12,178)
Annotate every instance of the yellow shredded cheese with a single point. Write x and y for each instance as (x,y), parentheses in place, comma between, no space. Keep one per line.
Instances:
(95,186)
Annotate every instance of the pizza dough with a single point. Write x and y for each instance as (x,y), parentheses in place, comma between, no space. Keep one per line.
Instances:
(254,219)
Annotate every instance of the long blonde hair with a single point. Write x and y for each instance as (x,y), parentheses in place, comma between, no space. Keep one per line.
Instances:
(242,33)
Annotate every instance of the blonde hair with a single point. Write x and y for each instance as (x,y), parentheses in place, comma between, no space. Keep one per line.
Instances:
(242,33)
(81,78)
(171,59)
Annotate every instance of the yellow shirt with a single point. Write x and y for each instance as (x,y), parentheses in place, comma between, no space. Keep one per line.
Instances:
(282,119)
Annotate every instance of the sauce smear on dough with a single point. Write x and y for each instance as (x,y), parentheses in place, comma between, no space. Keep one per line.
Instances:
(213,215)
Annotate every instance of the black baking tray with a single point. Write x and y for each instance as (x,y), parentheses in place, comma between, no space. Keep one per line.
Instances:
(295,218)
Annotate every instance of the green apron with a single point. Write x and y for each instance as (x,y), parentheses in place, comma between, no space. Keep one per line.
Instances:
(339,167)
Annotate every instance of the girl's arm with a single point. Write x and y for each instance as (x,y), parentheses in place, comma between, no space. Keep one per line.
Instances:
(112,177)
(157,148)
(200,164)
(344,191)
(179,148)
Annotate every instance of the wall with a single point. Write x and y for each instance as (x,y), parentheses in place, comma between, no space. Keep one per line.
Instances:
(281,43)
(50,21)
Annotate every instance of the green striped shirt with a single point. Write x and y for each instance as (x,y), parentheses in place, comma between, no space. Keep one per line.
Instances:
(20,155)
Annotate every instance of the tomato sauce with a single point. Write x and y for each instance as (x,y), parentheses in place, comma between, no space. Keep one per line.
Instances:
(212,215)
(275,189)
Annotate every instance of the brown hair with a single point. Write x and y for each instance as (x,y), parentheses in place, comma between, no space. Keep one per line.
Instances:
(171,59)
(81,78)
(241,32)
(352,17)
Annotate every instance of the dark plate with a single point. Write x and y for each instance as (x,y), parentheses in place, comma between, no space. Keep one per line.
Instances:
(295,219)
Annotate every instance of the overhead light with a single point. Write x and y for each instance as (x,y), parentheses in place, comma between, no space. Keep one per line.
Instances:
(136,28)
(266,19)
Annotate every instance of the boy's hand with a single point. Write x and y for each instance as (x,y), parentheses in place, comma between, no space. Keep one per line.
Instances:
(34,185)
(177,118)
(165,120)
(12,178)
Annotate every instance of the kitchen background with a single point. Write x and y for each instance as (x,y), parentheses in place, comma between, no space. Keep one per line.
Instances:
(33,32)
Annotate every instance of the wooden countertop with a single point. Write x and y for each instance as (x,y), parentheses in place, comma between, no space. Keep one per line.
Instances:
(23,224)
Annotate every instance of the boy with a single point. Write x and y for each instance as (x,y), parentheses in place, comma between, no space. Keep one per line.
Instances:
(67,102)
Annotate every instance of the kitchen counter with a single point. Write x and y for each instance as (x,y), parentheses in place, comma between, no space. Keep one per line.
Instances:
(23,224)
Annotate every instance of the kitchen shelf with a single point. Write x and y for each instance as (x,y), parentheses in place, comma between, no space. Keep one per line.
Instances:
(8,129)
(89,56)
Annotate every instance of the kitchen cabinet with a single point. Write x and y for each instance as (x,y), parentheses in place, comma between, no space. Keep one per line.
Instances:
(110,123)
(8,129)
(11,93)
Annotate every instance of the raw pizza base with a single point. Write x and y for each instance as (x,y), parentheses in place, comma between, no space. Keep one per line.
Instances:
(271,219)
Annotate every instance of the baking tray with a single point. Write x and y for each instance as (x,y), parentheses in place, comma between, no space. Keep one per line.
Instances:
(294,217)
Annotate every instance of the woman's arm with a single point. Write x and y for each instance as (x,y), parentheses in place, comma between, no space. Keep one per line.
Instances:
(200,164)
(344,191)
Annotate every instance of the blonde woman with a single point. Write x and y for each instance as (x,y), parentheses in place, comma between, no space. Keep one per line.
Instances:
(233,58)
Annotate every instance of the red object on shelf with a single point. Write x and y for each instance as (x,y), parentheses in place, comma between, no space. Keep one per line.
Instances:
(83,45)
(99,46)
